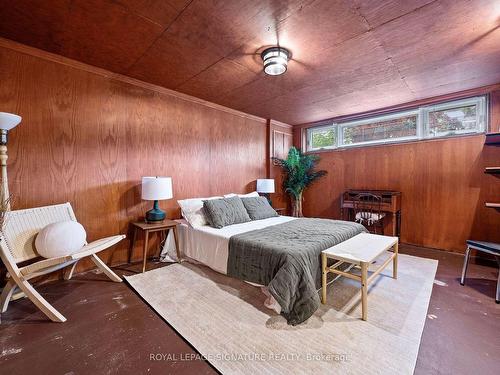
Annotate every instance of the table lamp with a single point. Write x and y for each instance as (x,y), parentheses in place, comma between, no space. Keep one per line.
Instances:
(8,121)
(265,186)
(155,189)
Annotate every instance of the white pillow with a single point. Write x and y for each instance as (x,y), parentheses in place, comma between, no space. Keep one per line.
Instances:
(249,195)
(60,239)
(192,211)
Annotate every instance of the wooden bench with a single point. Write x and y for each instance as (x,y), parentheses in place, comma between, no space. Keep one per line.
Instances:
(359,251)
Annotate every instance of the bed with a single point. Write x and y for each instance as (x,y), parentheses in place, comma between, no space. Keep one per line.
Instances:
(281,254)
(210,246)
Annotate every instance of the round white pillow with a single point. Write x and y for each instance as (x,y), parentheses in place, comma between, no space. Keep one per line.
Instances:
(60,239)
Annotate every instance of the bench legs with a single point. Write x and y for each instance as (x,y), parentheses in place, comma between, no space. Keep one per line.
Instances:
(324,272)
(364,290)
(395,261)
(363,279)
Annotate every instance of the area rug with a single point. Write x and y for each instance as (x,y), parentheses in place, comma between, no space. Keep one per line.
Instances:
(227,323)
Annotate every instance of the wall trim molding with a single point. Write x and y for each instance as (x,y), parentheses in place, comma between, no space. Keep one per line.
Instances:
(49,56)
(280,124)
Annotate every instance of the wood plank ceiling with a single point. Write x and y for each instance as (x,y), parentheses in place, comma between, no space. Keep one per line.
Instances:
(348,56)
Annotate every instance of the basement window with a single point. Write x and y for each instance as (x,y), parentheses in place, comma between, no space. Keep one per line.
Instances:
(323,137)
(454,118)
(460,117)
(398,127)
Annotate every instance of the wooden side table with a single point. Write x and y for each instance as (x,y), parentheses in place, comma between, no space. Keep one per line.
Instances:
(147,228)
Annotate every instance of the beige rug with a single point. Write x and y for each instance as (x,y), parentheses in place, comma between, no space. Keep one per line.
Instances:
(225,320)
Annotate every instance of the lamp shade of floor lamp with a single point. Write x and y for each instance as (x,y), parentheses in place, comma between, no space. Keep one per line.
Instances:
(8,121)
(155,189)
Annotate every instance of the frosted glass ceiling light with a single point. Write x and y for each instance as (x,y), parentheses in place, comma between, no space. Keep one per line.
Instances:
(275,60)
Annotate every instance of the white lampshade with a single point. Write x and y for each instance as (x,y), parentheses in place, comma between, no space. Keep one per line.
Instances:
(9,121)
(156,188)
(265,185)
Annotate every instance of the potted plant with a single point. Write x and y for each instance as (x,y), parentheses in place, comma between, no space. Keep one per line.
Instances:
(299,169)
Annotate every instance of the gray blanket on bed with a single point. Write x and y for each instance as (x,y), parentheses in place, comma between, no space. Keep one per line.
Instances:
(287,258)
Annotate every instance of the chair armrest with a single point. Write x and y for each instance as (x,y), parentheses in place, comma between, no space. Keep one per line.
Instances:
(42,264)
(96,246)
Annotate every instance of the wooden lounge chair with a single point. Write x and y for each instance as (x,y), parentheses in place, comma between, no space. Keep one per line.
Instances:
(17,246)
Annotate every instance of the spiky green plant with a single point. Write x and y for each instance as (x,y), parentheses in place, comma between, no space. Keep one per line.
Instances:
(299,169)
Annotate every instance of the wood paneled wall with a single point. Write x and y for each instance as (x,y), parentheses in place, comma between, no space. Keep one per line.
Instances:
(443,184)
(88,136)
(280,137)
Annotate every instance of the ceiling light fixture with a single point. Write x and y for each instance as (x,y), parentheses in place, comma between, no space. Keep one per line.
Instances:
(275,60)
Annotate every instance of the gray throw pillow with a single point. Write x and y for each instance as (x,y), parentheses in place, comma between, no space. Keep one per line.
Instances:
(225,211)
(258,208)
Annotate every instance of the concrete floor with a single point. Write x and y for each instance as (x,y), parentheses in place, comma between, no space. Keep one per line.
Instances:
(111,331)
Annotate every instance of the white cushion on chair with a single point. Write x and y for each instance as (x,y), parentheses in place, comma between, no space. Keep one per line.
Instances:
(369,217)
(60,239)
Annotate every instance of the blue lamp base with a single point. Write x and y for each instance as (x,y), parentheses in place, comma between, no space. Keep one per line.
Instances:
(155,214)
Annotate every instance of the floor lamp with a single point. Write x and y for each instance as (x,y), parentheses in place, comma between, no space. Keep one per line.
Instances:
(8,121)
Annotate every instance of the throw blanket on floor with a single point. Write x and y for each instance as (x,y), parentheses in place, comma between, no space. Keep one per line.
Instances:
(287,258)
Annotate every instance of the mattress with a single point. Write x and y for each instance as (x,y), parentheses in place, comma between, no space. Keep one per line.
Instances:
(210,246)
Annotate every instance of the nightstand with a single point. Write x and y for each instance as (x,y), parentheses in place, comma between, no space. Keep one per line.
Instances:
(163,227)
(280,211)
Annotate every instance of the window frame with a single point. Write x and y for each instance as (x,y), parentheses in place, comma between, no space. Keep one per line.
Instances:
(423,128)
(318,129)
(375,119)
(481,114)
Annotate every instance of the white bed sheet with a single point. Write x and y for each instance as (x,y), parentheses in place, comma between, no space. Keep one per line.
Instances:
(210,246)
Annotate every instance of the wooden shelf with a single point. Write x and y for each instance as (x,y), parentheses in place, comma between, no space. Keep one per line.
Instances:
(493,205)
(492,139)
(492,170)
